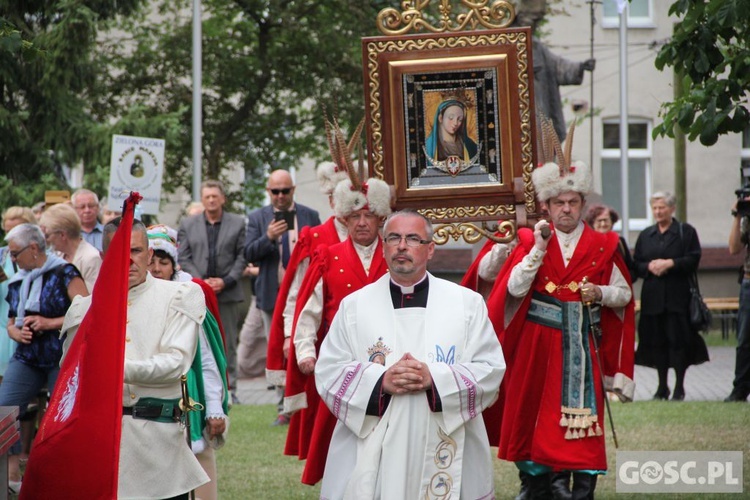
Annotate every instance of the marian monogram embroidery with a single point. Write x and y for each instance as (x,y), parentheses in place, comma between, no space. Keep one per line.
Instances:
(445,357)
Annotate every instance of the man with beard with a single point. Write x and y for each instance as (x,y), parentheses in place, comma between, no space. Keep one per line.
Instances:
(334,273)
(409,364)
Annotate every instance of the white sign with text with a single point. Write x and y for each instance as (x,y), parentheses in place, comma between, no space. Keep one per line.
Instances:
(137,164)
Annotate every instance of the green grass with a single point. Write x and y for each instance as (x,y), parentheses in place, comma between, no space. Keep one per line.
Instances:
(713,339)
(251,465)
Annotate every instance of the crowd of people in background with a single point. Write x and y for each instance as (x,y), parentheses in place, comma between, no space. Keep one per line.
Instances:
(300,272)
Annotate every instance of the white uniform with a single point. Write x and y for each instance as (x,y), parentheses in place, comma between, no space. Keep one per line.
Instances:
(164,319)
(411,451)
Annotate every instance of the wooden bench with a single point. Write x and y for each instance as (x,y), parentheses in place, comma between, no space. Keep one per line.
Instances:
(726,310)
(722,308)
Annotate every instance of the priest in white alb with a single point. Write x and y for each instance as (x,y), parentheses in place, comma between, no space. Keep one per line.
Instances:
(407,367)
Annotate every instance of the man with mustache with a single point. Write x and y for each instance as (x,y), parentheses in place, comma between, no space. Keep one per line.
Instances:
(560,284)
(334,273)
(409,364)
(161,337)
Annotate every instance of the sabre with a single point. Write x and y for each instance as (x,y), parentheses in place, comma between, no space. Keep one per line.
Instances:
(594,336)
(186,406)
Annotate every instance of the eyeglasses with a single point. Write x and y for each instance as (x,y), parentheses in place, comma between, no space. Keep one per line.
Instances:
(14,255)
(281,191)
(412,240)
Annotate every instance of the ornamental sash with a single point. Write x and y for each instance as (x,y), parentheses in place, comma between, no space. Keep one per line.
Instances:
(578,398)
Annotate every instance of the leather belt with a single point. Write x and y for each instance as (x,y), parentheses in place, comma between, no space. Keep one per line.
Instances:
(161,413)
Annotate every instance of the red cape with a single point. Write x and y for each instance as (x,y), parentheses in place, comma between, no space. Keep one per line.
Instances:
(523,435)
(472,281)
(212,304)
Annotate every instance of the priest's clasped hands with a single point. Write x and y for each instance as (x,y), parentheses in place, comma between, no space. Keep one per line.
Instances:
(407,375)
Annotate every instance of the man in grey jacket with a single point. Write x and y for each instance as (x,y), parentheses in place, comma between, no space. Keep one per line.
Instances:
(211,248)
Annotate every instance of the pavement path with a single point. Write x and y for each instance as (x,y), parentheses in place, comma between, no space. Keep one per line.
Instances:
(710,381)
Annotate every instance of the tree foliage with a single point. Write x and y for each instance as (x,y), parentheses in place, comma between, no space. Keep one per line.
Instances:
(73,73)
(710,48)
(45,75)
(268,68)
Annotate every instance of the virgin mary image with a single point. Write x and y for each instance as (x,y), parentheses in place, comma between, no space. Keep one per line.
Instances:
(448,147)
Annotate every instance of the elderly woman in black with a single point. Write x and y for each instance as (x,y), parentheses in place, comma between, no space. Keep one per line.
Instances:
(666,255)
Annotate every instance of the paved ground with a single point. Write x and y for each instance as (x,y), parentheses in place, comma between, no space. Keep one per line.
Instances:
(710,381)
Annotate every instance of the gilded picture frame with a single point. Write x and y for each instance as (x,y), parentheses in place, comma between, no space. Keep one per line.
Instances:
(450,122)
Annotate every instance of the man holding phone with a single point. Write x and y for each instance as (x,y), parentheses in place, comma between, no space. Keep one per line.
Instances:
(271,234)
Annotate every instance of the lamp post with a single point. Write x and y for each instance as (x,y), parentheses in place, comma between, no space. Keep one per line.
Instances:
(197,100)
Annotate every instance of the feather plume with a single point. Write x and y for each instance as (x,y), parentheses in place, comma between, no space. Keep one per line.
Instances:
(361,161)
(356,135)
(545,149)
(332,145)
(551,142)
(347,160)
(567,160)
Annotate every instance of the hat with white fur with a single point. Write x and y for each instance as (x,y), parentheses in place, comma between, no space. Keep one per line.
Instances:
(351,194)
(329,175)
(551,179)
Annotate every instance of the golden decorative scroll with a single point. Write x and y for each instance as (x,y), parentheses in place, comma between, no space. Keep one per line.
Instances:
(475,14)
(473,233)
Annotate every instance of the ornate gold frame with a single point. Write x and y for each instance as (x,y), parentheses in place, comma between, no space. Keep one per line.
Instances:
(479,14)
(462,211)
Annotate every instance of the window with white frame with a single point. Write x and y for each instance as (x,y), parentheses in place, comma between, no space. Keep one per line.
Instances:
(639,170)
(640,14)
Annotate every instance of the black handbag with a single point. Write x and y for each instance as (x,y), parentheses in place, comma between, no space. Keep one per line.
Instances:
(699,313)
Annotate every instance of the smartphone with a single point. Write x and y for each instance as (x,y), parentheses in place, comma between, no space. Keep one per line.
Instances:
(285,216)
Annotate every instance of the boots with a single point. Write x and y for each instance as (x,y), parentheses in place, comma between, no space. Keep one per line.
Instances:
(584,486)
(534,487)
(560,485)
(524,494)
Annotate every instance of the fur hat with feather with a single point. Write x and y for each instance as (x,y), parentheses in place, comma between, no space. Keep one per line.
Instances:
(330,173)
(551,179)
(352,194)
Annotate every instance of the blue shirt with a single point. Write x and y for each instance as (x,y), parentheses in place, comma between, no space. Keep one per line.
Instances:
(95,236)
(45,349)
